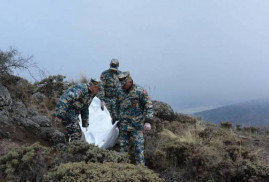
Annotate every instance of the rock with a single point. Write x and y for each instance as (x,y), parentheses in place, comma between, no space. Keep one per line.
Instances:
(163,110)
(4,117)
(5,99)
(19,109)
(31,111)
(38,98)
(52,135)
(29,125)
(42,121)
(56,137)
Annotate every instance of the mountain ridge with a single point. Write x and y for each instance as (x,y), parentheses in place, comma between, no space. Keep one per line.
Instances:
(254,112)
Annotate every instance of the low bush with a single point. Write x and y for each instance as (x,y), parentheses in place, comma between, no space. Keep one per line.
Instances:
(78,151)
(226,124)
(118,172)
(25,163)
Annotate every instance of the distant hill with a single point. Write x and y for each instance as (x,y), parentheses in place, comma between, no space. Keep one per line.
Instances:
(248,113)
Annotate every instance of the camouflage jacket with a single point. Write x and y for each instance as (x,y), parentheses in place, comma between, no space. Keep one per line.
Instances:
(76,98)
(110,84)
(134,107)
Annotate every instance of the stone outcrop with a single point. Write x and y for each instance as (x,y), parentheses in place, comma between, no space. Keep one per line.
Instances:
(38,98)
(15,113)
(5,99)
(163,110)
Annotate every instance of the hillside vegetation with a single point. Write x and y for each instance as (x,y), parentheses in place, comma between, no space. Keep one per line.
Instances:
(179,148)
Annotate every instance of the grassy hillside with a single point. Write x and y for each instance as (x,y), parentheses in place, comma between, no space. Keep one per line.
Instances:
(178,148)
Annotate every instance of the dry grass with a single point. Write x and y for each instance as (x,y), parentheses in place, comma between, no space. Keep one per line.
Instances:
(83,78)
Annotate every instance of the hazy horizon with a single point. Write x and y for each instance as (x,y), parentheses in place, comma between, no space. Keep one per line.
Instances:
(191,54)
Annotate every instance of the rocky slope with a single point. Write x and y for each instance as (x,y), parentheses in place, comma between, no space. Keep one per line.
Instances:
(179,147)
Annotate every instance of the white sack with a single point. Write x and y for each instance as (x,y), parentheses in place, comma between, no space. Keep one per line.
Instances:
(100,132)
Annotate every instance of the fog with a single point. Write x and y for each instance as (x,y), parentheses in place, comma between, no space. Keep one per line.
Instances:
(191,54)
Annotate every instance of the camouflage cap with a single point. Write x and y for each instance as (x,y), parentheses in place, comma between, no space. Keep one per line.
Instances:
(95,82)
(125,76)
(114,64)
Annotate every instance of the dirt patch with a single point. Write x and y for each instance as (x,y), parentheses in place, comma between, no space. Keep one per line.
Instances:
(15,137)
(7,144)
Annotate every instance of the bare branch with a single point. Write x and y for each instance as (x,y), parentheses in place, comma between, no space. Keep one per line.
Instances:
(11,61)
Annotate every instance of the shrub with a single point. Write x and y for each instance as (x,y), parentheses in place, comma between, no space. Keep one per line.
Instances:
(52,86)
(251,129)
(226,124)
(25,163)
(78,151)
(249,171)
(72,172)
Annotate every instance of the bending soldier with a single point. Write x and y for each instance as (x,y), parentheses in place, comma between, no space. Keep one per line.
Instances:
(135,115)
(75,101)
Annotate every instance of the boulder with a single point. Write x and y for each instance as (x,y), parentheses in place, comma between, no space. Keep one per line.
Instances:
(163,110)
(56,137)
(52,135)
(37,98)
(28,125)
(19,109)
(4,117)
(5,99)
(31,111)
(41,120)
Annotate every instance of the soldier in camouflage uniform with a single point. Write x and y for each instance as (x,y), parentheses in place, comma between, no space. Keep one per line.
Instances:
(75,101)
(110,86)
(135,112)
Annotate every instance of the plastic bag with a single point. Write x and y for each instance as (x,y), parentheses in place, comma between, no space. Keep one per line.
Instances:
(100,132)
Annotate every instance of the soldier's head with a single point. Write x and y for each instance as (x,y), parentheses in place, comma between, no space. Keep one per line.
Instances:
(94,85)
(114,64)
(126,80)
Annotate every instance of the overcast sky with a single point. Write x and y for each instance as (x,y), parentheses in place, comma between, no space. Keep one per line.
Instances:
(188,53)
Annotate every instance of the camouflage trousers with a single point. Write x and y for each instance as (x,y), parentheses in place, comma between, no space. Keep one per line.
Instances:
(111,107)
(71,124)
(124,140)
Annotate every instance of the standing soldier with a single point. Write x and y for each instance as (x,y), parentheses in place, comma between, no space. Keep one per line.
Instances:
(111,84)
(75,101)
(135,115)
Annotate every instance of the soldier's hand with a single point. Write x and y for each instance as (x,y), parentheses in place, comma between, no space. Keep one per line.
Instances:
(86,129)
(58,120)
(102,106)
(147,126)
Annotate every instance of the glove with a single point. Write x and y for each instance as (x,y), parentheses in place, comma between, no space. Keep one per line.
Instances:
(147,126)
(58,120)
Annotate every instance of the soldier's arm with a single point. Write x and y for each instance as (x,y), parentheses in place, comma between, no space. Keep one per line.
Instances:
(85,116)
(147,105)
